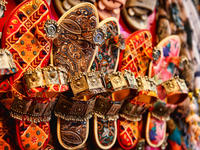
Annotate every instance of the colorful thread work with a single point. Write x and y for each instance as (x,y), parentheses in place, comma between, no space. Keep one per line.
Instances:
(163,69)
(72,51)
(156,128)
(72,133)
(138,53)
(106,131)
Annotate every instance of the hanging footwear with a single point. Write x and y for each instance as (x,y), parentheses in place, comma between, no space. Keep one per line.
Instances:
(116,84)
(135,13)
(74,50)
(108,8)
(25,38)
(171,90)
(135,59)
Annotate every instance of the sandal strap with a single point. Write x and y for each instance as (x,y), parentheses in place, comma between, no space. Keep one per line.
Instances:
(106,108)
(173,87)
(45,76)
(74,109)
(133,110)
(86,83)
(120,81)
(175,84)
(32,109)
(162,111)
(83,84)
(146,84)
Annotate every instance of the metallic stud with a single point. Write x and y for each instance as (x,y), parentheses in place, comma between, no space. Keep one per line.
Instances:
(38,132)
(34,6)
(28,135)
(33,77)
(78,109)
(64,106)
(102,105)
(51,28)
(28,12)
(93,80)
(22,42)
(33,41)
(78,83)
(52,74)
(27,145)
(39,143)
(34,52)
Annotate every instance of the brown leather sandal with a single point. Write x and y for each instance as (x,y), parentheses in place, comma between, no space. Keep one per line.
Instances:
(135,13)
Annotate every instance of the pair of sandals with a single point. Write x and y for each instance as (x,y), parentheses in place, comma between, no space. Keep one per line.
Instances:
(171,91)
(93,78)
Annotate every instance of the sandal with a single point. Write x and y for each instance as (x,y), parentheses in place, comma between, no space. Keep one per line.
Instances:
(171,91)
(135,13)
(25,38)
(74,50)
(116,84)
(108,8)
(136,58)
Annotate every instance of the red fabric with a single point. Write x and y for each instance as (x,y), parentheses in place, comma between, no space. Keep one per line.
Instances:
(136,56)
(19,132)
(14,30)
(25,27)
(127,134)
